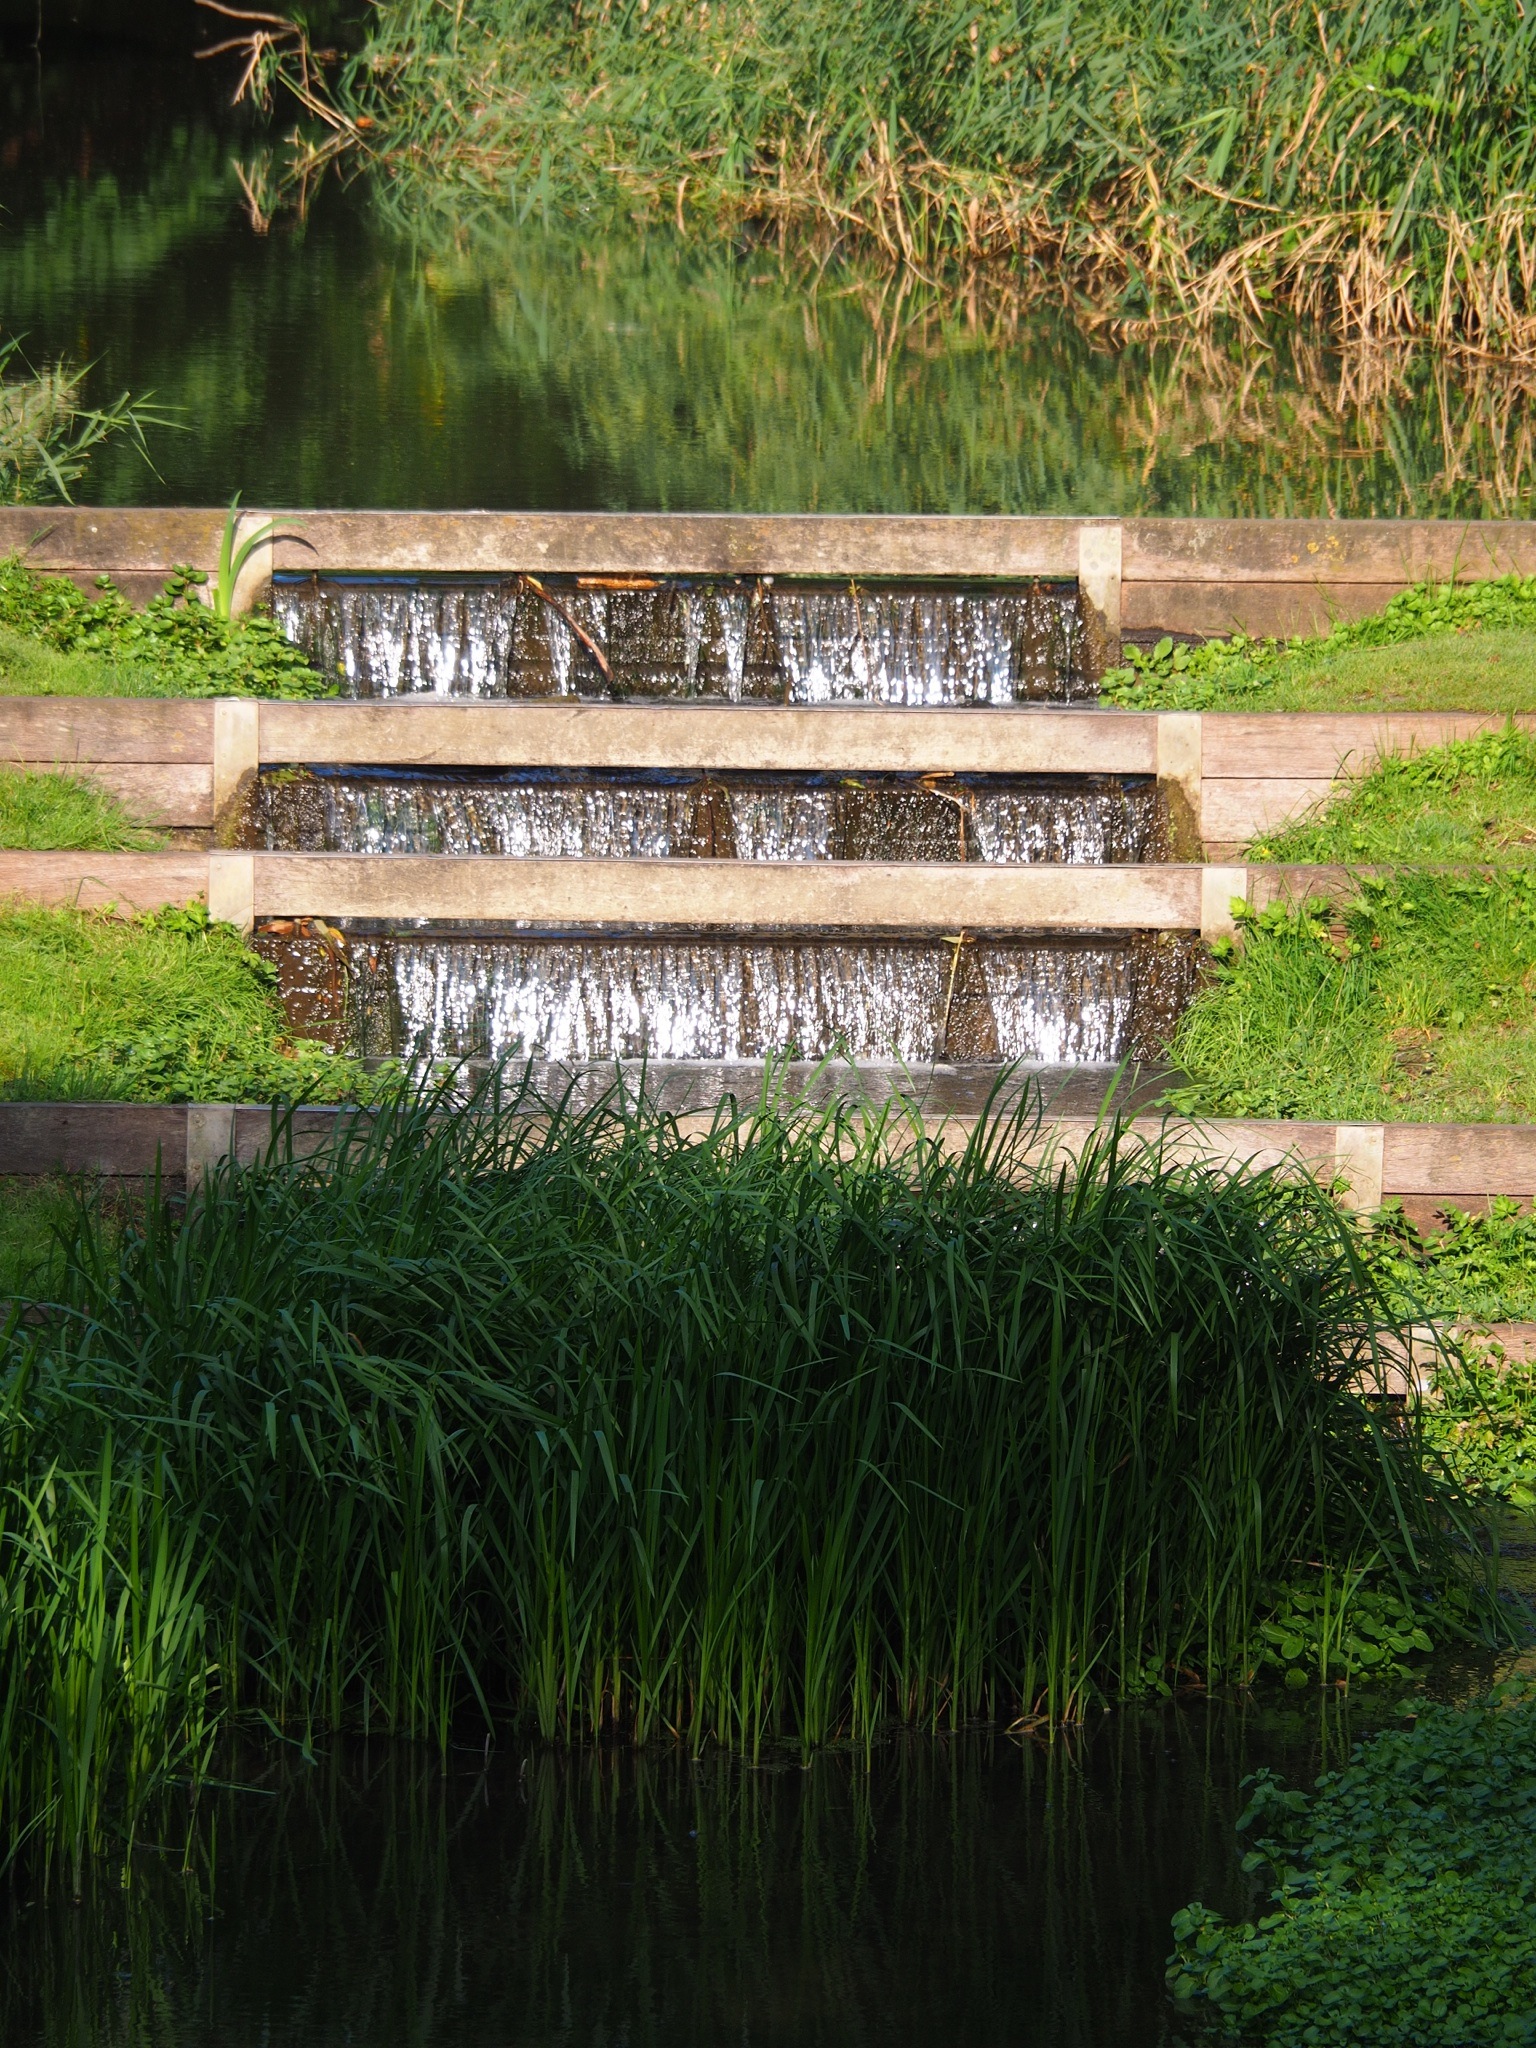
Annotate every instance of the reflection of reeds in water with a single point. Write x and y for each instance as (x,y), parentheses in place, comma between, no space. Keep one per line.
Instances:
(657,1898)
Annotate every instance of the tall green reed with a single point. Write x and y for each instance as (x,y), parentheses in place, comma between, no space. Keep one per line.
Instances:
(594,1423)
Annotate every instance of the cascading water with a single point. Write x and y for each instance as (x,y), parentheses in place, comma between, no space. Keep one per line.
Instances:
(573,998)
(565,999)
(627,815)
(742,641)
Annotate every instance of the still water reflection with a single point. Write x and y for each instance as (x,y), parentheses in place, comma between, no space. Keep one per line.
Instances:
(378,353)
(982,1890)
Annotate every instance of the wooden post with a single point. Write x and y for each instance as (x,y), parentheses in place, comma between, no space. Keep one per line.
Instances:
(1359,1152)
(1098,585)
(210,1137)
(232,889)
(1218,887)
(236,748)
(1179,770)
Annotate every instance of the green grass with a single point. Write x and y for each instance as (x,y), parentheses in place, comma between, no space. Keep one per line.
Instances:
(1412,1002)
(51,811)
(55,641)
(1473,801)
(1175,162)
(1434,647)
(1402,1912)
(577,1425)
(164,1008)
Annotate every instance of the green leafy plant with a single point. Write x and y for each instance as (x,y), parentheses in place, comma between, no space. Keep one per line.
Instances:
(1403,1908)
(233,558)
(1333,1632)
(172,648)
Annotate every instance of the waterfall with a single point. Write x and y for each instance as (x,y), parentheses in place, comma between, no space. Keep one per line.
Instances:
(743,641)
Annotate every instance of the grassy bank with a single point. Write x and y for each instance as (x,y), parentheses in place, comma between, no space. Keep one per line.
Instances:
(1403,1908)
(1435,647)
(1372,167)
(57,642)
(1473,801)
(1411,1003)
(571,1425)
(162,1008)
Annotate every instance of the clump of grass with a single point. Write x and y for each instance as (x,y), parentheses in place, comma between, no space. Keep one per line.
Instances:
(504,1414)
(1471,801)
(47,432)
(52,811)
(1403,1908)
(54,640)
(1411,1001)
(1452,646)
(1372,166)
(162,1008)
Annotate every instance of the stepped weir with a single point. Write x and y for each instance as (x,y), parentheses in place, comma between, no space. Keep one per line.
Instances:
(705,791)
(692,996)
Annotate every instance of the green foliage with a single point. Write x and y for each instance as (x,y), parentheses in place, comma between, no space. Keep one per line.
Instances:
(1481,1423)
(161,1008)
(175,647)
(1410,1001)
(1322,1633)
(1479,1267)
(48,434)
(1404,1902)
(585,1423)
(1214,674)
(1472,800)
(1190,157)
(44,811)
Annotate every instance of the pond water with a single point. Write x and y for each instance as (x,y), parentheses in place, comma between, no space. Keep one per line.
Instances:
(985,1889)
(375,352)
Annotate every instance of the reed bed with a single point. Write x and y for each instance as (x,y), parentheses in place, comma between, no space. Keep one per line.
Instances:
(587,1423)
(1370,165)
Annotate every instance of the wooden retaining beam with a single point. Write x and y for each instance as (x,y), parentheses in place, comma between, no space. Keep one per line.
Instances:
(1239,775)
(1424,1166)
(1140,576)
(242,888)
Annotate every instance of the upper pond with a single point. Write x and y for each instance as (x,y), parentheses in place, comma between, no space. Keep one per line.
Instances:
(370,353)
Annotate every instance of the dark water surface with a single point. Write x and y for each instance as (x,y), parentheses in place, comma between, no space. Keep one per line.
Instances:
(981,1890)
(377,353)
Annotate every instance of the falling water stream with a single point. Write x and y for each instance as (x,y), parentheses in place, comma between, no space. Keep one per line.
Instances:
(743,640)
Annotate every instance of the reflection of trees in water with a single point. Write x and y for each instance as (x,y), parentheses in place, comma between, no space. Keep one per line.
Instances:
(846,388)
(980,1888)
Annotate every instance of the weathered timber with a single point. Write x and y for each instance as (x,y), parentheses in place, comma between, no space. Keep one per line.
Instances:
(59,731)
(728,894)
(690,736)
(127,882)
